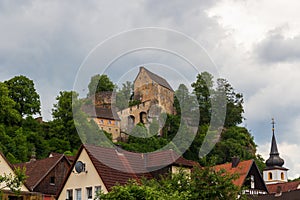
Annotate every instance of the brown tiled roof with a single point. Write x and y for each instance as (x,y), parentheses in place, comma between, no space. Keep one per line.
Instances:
(163,158)
(285,187)
(100,112)
(37,170)
(111,157)
(69,158)
(242,169)
(161,81)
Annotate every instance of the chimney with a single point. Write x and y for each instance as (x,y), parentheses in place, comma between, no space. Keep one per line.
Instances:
(33,155)
(235,161)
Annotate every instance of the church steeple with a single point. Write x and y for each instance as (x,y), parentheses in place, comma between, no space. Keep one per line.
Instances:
(274,159)
(274,172)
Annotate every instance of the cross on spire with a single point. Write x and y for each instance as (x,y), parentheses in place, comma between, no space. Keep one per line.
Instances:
(273,125)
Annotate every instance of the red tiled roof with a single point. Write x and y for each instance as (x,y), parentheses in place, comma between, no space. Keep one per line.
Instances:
(242,169)
(285,187)
(37,170)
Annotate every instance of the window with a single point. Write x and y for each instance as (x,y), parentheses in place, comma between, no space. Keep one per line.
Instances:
(282,176)
(270,176)
(69,194)
(109,121)
(101,121)
(78,194)
(89,193)
(97,190)
(252,182)
(52,180)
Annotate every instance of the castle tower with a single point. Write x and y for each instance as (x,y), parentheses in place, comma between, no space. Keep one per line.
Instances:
(274,172)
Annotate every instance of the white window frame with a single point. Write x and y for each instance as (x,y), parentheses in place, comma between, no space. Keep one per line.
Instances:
(77,196)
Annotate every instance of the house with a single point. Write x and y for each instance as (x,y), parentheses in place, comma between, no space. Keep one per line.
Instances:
(100,168)
(249,177)
(107,119)
(45,176)
(25,193)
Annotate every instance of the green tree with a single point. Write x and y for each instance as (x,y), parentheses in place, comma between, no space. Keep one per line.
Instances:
(234,104)
(22,91)
(203,88)
(13,181)
(100,83)
(124,95)
(62,128)
(204,183)
(8,114)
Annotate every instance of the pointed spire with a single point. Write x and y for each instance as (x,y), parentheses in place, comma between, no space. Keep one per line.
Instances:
(274,159)
(274,150)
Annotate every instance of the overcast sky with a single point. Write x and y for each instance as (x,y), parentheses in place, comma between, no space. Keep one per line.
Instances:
(255,45)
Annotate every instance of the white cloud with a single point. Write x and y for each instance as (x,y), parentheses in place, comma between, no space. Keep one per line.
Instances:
(249,21)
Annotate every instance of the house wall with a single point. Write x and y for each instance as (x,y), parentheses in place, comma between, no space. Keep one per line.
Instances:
(59,172)
(109,125)
(90,178)
(6,169)
(176,170)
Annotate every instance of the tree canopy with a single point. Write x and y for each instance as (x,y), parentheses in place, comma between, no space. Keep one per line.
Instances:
(204,183)
(22,91)
(100,83)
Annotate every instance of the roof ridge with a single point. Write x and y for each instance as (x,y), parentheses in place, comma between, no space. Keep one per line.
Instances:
(49,169)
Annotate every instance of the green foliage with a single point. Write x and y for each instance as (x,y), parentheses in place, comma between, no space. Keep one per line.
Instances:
(22,91)
(62,128)
(8,113)
(204,183)
(124,96)
(203,88)
(207,93)
(141,140)
(100,83)
(13,181)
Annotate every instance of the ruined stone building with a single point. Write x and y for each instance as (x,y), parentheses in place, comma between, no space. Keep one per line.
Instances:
(155,96)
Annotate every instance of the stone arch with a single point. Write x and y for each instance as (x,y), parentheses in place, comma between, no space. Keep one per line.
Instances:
(143,117)
(131,122)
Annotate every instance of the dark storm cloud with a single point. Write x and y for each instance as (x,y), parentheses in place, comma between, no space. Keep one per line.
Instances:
(277,48)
